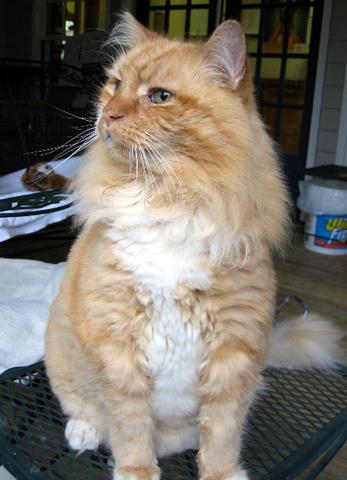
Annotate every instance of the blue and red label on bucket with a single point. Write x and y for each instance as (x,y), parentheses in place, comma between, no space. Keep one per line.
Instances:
(331,231)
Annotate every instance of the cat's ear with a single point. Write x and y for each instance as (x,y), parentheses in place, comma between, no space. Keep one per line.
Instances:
(128,32)
(226,53)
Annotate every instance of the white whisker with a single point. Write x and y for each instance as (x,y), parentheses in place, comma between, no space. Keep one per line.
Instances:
(144,171)
(45,151)
(137,165)
(161,157)
(136,162)
(160,160)
(158,165)
(74,151)
(170,173)
(78,143)
(72,114)
(131,157)
(151,175)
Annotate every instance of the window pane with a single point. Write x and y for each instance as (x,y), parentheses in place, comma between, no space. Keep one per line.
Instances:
(270,68)
(269,77)
(247,2)
(290,130)
(197,2)
(198,24)
(294,87)
(157,3)
(157,21)
(177,22)
(300,26)
(250,21)
(252,43)
(178,2)
(300,29)
(273,30)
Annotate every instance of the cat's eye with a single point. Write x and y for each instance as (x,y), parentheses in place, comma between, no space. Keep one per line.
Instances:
(117,83)
(160,96)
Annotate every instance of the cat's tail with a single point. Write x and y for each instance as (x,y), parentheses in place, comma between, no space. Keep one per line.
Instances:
(306,341)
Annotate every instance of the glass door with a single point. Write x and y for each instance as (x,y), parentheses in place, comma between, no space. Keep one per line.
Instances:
(283,41)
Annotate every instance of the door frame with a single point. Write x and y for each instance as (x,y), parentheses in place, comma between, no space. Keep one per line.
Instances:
(293,164)
(319,85)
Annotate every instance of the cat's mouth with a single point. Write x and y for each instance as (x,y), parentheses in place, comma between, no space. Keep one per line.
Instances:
(123,141)
(115,143)
(141,150)
(120,147)
(107,136)
(113,138)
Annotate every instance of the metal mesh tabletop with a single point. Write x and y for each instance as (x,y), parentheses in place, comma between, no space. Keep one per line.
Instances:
(298,416)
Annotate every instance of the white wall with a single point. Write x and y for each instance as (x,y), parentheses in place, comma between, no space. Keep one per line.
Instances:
(341,150)
(326,118)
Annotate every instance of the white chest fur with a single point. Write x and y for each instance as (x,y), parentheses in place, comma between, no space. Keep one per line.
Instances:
(173,351)
(172,347)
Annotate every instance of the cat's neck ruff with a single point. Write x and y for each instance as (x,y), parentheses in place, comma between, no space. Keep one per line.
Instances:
(175,243)
(163,254)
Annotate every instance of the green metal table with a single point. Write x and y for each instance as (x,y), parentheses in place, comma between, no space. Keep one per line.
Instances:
(297,424)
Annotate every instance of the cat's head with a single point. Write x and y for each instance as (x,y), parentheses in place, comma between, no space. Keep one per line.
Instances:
(169,104)
(177,120)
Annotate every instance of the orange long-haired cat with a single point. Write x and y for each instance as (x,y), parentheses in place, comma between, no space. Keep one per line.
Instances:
(160,332)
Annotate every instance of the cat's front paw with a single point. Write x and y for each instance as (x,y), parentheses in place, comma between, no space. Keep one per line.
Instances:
(139,473)
(81,435)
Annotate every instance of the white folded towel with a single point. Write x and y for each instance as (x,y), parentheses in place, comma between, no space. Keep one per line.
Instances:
(27,289)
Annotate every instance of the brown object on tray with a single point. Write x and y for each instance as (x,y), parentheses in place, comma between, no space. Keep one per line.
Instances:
(41,176)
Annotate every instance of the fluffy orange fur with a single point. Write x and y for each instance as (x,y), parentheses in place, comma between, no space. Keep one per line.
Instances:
(198,175)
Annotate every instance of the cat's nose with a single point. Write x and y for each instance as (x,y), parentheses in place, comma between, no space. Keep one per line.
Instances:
(111,115)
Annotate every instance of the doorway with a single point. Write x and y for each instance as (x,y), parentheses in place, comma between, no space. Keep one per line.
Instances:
(283,42)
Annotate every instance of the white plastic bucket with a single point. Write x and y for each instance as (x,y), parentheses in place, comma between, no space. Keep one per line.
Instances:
(326,234)
(324,203)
